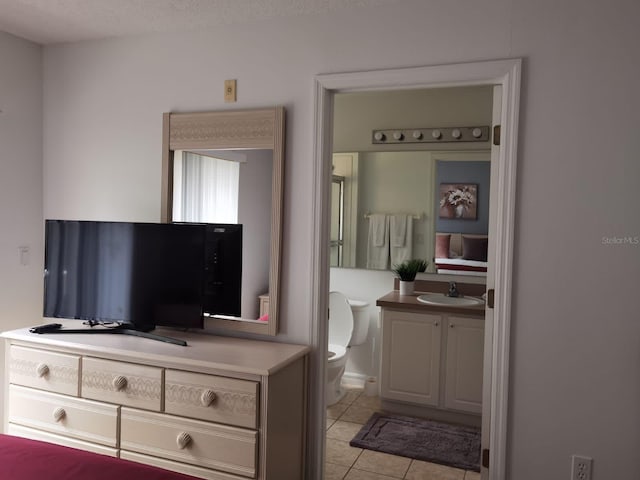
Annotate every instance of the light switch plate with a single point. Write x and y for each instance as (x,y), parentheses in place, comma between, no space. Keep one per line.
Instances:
(229,91)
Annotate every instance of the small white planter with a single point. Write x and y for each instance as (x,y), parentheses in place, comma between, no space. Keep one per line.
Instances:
(406,288)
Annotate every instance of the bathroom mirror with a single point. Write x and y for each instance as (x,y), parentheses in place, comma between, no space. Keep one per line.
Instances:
(367,184)
(237,158)
(405,178)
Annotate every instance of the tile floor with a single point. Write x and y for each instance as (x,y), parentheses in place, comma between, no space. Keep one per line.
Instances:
(344,462)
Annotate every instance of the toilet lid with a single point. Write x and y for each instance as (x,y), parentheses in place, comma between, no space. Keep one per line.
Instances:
(340,319)
(336,352)
(358,304)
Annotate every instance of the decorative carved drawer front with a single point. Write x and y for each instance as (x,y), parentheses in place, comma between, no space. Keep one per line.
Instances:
(73,417)
(219,447)
(54,372)
(210,397)
(122,383)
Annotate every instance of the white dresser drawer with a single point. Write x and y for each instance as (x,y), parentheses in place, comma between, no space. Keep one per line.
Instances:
(73,417)
(211,397)
(209,445)
(54,372)
(26,432)
(192,470)
(122,383)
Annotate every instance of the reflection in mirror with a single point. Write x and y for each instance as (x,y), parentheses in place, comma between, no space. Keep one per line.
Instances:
(388,207)
(227,186)
(226,168)
(396,213)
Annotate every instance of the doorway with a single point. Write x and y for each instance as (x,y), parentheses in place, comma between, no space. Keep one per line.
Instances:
(504,73)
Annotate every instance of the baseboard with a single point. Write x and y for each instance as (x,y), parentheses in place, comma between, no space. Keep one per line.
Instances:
(354,379)
(437,414)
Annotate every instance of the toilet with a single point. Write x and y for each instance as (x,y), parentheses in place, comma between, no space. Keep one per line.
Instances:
(348,326)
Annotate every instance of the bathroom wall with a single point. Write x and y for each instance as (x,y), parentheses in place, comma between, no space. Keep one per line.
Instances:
(367,285)
(358,114)
(396,182)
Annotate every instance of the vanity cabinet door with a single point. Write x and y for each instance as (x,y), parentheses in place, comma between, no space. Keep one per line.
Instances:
(410,357)
(465,348)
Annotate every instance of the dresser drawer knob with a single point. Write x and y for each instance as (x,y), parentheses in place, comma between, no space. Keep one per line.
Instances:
(207,398)
(119,382)
(42,369)
(183,440)
(59,414)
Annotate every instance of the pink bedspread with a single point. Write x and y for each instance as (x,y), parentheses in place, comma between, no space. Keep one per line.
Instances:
(23,459)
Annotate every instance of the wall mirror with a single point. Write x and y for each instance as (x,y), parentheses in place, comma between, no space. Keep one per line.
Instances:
(227,167)
(403,183)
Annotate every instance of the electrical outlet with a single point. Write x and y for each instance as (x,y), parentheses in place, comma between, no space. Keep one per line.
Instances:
(581,467)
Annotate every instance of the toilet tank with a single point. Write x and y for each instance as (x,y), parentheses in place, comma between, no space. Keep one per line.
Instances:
(360,311)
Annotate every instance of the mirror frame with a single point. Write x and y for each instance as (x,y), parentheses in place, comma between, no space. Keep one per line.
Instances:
(233,130)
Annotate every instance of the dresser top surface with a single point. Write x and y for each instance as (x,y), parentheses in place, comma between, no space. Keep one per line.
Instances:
(203,351)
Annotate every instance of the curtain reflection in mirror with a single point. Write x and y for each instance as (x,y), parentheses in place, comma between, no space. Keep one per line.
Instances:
(205,188)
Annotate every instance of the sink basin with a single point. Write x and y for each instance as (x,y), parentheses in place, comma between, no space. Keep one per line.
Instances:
(442,299)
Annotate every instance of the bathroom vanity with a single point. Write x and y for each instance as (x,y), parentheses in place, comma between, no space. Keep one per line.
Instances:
(432,356)
(219,408)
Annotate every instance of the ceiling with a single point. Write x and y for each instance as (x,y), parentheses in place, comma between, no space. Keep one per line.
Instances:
(60,21)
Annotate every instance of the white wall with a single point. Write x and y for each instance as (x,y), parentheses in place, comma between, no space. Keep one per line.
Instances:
(574,359)
(20,184)
(254,212)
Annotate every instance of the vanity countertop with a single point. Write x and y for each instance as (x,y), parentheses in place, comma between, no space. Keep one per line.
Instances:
(393,299)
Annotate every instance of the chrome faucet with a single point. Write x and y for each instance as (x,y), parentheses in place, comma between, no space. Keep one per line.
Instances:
(453,290)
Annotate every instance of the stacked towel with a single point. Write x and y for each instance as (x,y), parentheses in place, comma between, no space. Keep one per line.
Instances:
(401,227)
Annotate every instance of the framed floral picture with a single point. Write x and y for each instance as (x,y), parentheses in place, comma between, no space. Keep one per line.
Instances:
(459,201)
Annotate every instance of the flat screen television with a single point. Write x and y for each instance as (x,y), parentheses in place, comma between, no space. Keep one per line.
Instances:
(142,274)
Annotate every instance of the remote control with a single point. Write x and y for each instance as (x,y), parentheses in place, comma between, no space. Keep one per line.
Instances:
(45,328)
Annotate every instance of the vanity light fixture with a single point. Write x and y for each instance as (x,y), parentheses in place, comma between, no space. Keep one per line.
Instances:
(378,137)
(431,135)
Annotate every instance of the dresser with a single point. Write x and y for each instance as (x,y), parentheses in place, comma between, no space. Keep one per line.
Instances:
(219,408)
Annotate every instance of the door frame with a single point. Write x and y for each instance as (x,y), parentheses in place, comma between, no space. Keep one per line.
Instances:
(505,73)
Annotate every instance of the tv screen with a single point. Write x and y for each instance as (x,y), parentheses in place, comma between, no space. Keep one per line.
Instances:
(144,274)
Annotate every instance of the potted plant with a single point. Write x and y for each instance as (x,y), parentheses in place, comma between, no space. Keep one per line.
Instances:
(406,272)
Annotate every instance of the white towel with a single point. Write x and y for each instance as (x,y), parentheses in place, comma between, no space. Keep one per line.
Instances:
(378,229)
(404,251)
(378,242)
(398,230)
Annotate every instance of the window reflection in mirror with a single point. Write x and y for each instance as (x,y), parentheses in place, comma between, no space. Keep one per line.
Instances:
(205,187)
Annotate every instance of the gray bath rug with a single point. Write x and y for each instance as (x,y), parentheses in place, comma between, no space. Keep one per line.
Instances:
(436,442)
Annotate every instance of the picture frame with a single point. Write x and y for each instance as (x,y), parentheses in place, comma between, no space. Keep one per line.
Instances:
(458,201)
